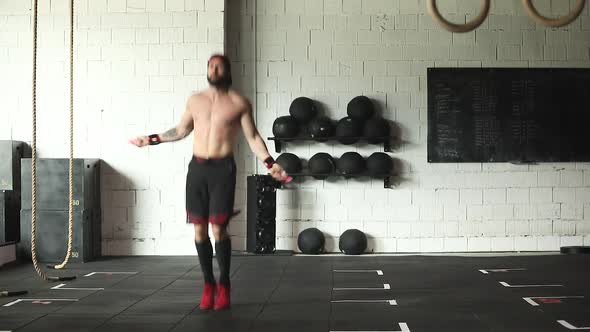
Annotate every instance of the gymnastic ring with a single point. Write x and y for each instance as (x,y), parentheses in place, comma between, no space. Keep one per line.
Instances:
(555,22)
(453,27)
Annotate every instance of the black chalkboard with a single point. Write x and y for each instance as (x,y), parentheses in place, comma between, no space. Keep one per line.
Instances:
(508,114)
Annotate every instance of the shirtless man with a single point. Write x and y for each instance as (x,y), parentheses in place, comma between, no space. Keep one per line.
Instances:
(215,114)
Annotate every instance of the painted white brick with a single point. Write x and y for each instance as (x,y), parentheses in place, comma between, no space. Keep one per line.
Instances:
(375,229)
(408,245)
(171,35)
(582,227)
(335,22)
(135,6)
(185,51)
(422,229)
(432,245)
(313,22)
(160,20)
(174,5)
(358,22)
(572,178)
(564,227)
(573,240)
(525,243)
(549,179)
(470,196)
(479,244)
(152,6)
(210,19)
(541,195)
(494,196)
(455,244)
(548,243)
(493,228)
(147,36)
(548,211)
(525,211)
(518,227)
(572,211)
(564,195)
(384,245)
(332,7)
(191,35)
(447,196)
(518,195)
(554,52)
(399,229)
(214,5)
(365,37)
(455,212)
(115,6)
(541,227)
(312,212)
(383,22)
(583,195)
(431,212)
(502,244)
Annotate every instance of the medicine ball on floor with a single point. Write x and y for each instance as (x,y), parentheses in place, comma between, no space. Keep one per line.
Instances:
(302,109)
(351,163)
(311,241)
(375,129)
(360,108)
(349,130)
(379,164)
(321,128)
(285,127)
(290,162)
(321,165)
(353,242)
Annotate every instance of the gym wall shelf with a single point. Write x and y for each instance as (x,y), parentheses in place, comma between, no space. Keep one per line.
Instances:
(279,141)
(386,177)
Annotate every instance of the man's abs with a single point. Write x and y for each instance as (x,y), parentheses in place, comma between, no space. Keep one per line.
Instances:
(215,127)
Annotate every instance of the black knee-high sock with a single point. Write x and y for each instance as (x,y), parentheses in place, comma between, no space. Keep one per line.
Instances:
(223,253)
(205,251)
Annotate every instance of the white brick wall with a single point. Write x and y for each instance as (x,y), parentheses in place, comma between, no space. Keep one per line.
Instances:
(131,61)
(137,60)
(382,49)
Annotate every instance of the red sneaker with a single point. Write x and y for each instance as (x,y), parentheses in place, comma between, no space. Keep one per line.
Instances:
(222,300)
(207,297)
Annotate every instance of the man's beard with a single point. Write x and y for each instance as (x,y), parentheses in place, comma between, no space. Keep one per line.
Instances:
(222,82)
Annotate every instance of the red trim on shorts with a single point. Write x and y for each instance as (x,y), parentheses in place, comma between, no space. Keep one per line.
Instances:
(219,219)
(192,219)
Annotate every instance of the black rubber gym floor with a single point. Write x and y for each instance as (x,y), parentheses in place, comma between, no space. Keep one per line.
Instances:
(303,293)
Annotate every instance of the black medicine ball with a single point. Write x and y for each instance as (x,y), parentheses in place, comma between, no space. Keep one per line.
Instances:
(311,241)
(375,129)
(351,163)
(302,109)
(353,242)
(360,108)
(290,162)
(321,165)
(321,128)
(285,127)
(379,164)
(348,130)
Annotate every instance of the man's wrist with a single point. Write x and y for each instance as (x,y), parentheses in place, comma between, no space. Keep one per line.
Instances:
(154,139)
(268,162)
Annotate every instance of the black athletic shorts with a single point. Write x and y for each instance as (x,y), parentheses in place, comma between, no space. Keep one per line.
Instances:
(210,190)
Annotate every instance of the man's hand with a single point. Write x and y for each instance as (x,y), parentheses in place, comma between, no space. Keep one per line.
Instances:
(278,173)
(140,141)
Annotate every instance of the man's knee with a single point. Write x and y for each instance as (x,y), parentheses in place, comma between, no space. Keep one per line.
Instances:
(201,231)
(220,232)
